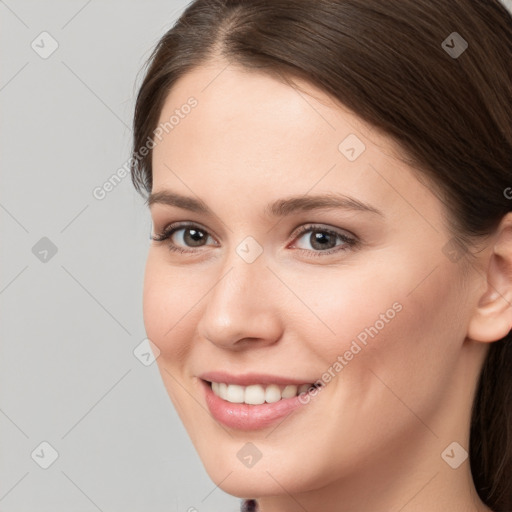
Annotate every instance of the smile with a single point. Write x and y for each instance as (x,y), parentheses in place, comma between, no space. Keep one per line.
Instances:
(246,405)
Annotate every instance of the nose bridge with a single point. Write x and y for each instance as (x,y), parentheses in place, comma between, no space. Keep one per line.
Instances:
(244,267)
(243,272)
(239,304)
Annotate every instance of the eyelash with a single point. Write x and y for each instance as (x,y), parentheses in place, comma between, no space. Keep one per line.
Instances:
(348,241)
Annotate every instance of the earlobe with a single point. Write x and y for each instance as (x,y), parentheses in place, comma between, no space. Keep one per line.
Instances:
(492,317)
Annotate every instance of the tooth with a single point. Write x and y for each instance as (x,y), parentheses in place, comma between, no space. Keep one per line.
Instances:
(272,394)
(289,391)
(235,394)
(254,395)
(223,390)
(303,388)
(257,394)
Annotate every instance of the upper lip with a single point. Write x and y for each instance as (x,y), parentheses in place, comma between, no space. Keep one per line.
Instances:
(247,379)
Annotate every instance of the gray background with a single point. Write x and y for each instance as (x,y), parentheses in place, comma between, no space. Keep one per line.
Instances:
(69,325)
(71,320)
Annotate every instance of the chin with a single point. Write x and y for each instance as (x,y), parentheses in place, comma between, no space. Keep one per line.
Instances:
(264,478)
(250,484)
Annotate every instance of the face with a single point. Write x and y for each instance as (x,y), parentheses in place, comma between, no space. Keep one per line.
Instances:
(258,290)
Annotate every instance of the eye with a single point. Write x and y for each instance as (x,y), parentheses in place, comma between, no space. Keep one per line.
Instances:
(324,241)
(192,236)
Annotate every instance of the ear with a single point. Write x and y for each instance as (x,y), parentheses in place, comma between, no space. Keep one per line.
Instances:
(492,317)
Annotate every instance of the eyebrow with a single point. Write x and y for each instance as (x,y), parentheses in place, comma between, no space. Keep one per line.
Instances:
(279,208)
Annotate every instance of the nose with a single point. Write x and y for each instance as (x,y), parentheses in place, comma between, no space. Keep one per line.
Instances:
(242,307)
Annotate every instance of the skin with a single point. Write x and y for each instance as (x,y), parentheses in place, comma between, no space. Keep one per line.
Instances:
(372,438)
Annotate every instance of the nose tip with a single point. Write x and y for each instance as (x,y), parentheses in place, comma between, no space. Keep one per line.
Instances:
(237,326)
(241,307)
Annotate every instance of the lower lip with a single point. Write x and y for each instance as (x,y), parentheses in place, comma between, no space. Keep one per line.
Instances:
(245,416)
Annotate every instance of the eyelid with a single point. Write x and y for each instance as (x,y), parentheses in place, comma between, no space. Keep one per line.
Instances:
(313,226)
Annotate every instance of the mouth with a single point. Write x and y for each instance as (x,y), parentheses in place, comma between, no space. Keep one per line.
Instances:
(249,405)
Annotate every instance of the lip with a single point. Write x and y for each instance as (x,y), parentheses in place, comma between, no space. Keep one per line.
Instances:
(251,378)
(245,416)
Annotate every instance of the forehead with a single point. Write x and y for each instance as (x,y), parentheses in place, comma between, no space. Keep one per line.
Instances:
(233,102)
(249,130)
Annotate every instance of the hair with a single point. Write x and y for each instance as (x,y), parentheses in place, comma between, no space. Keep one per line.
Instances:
(450,115)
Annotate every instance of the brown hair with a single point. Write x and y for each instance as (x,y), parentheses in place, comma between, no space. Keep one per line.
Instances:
(450,114)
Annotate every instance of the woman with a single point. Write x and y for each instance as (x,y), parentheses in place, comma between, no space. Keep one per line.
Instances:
(329,283)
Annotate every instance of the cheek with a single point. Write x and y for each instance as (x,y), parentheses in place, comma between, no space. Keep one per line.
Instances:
(345,304)
(382,316)
(168,300)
